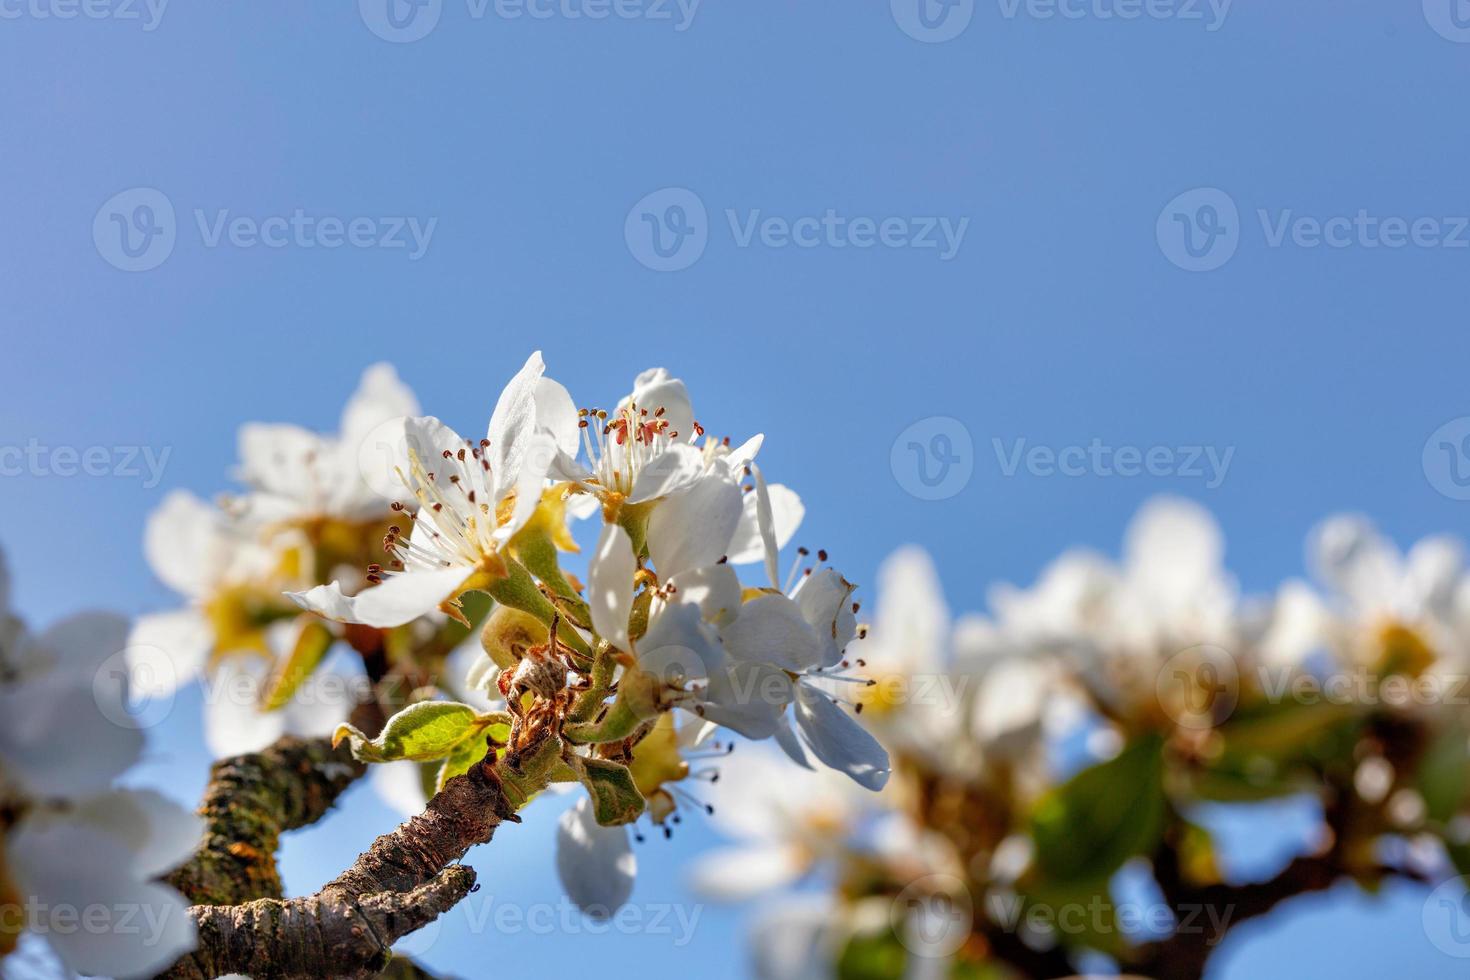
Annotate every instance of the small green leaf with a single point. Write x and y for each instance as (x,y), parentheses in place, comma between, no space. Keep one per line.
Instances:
(872,956)
(1088,827)
(615,800)
(1444,775)
(464,756)
(423,731)
(311,647)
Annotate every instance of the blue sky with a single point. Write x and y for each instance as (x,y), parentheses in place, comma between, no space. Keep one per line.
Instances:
(1064,154)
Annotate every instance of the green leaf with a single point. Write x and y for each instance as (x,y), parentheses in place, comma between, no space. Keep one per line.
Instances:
(1088,827)
(1284,729)
(615,799)
(464,755)
(311,647)
(1444,775)
(423,731)
(1080,913)
(872,956)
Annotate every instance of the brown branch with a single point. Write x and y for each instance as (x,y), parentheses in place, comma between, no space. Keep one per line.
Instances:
(400,883)
(249,802)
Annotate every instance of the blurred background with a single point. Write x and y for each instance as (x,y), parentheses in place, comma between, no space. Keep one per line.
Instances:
(998,225)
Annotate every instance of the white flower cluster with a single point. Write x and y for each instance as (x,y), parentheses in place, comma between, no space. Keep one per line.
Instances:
(78,856)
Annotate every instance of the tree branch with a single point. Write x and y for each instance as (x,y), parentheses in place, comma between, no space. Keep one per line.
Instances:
(250,801)
(399,884)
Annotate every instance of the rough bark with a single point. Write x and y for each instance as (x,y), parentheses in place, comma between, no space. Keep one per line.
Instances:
(250,801)
(399,884)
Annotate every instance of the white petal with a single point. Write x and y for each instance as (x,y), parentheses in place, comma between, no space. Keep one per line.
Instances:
(279,458)
(786,513)
(145,926)
(1174,549)
(158,833)
(745,452)
(1012,700)
(610,585)
(538,453)
(736,874)
(771,629)
(785,737)
(678,646)
(749,698)
(714,588)
(765,520)
(57,741)
(399,599)
(692,529)
(166,651)
(184,543)
(1348,554)
(1297,627)
(838,741)
(380,397)
(233,721)
(556,413)
(654,389)
(513,424)
(675,469)
(81,642)
(826,602)
(595,863)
